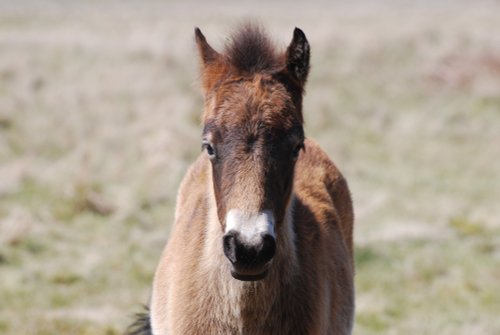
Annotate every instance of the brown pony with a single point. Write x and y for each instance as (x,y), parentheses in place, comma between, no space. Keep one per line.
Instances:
(262,241)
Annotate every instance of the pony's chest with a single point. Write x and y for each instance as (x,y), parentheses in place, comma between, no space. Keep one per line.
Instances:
(246,310)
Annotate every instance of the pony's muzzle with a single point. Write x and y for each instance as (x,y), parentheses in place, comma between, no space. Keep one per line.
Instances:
(249,259)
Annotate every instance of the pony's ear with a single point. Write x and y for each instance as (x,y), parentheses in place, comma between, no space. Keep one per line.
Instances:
(207,53)
(297,57)
(212,66)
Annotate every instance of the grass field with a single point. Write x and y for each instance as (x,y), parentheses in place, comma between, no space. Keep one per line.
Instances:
(100,117)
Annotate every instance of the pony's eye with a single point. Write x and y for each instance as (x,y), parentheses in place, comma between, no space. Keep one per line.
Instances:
(209,148)
(297,149)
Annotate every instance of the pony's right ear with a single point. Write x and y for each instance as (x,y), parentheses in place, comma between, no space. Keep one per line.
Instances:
(207,53)
(212,66)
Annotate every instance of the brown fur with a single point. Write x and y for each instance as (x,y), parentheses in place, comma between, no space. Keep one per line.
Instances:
(253,117)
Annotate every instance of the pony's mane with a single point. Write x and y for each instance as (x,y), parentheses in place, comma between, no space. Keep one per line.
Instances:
(250,49)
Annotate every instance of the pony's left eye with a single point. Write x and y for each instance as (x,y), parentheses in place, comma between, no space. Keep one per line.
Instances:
(296,150)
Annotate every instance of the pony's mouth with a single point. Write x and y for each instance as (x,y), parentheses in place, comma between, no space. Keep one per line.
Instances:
(249,277)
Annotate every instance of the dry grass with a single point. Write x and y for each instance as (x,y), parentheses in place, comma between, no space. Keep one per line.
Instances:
(99,118)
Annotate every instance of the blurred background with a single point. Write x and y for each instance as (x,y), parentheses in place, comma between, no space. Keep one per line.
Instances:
(100,112)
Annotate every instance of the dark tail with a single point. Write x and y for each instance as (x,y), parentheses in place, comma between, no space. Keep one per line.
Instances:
(141,324)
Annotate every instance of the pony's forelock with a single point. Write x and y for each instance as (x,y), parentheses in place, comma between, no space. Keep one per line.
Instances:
(250,49)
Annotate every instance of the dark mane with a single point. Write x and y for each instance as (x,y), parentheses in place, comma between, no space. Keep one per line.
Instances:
(250,49)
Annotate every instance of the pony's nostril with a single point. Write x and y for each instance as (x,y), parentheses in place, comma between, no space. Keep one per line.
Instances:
(229,243)
(248,255)
(268,248)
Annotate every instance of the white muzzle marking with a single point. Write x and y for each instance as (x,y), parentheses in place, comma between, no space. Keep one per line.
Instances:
(251,227)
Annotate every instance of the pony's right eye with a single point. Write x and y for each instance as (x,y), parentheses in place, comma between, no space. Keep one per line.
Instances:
(209,148)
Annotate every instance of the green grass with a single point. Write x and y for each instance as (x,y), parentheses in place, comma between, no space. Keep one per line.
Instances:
(428,280)
(99,119)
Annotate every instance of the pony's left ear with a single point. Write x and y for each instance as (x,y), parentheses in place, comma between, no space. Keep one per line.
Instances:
(297,57)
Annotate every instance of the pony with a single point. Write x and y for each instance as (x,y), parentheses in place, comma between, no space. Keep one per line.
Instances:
(262,239)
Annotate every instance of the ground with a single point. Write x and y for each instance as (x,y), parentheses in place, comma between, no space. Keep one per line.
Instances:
(100,116)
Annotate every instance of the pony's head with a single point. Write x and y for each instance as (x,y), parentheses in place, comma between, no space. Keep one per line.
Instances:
(253,136)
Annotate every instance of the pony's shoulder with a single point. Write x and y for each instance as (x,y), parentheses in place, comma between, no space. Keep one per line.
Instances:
(314,168)
(193,188)
(320,187)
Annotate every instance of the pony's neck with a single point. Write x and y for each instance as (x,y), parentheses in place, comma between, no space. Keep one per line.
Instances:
(247,300)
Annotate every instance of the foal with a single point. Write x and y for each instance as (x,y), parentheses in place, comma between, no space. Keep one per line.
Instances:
(262,241)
